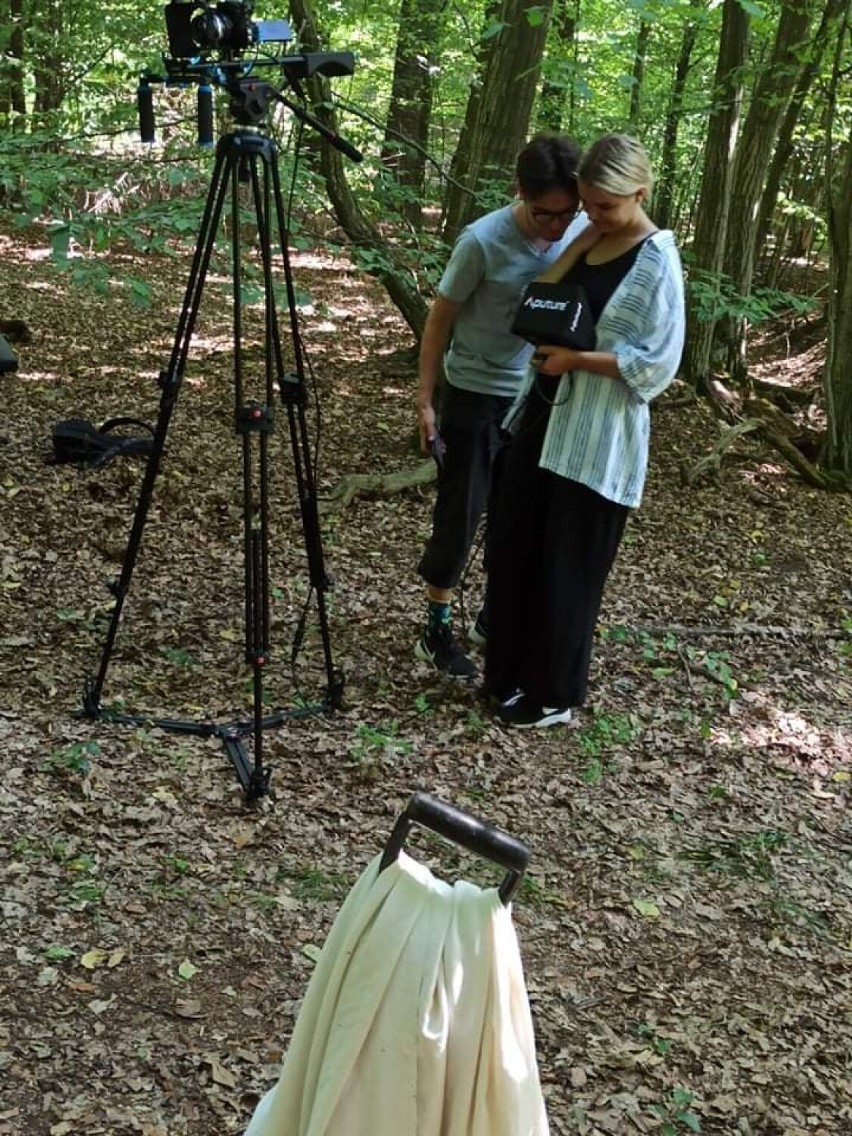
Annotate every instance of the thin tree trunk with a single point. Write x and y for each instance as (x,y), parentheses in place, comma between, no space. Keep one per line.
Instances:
(12,97)
(774,87)
(838,373)
(711,223)
(401,286)
(638,75)
(784,146)
(664,213)
(410,110)
(46,48)
(557,90)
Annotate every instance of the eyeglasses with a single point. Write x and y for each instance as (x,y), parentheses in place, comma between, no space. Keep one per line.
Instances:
(542,216)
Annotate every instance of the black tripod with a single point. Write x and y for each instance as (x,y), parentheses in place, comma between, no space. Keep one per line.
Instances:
(245,157)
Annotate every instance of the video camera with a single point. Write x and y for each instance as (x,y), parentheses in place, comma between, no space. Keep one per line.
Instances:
(197,29)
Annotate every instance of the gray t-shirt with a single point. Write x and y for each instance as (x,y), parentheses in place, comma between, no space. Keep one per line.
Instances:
(490,265)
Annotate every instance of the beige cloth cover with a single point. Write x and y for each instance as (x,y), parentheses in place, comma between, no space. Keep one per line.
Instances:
(416,1021)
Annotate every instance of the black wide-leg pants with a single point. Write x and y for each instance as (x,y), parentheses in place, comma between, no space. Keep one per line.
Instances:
(553,543)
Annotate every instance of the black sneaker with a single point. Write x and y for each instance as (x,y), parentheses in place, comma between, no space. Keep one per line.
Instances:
(526,714)
(477,633)
(498,701)
(438,646)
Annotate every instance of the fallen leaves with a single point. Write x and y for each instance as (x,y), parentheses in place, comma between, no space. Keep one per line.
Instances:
(187,970)
(685,922)
(97,957)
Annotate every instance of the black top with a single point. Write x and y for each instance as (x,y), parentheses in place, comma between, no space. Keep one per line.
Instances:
(601,280)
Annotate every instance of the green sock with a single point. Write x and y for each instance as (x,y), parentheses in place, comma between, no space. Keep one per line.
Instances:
(438,615)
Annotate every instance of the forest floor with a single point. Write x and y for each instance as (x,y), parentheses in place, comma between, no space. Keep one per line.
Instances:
(686,922)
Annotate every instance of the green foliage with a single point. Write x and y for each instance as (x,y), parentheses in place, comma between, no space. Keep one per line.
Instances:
(676,1114)
(58,954)
(87,182)
(607,732)
(89,204)
(422,704)
(73,758)
(667,656)
(713,296)
(179,656)
(661,1045)
(599,740)
(313,883)
(376,745)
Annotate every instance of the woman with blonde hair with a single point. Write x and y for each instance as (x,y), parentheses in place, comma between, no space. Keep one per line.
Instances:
(577,463)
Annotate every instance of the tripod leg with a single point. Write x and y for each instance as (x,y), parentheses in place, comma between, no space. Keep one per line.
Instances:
(254,422)
(292,390)
(170,382)
(240,157)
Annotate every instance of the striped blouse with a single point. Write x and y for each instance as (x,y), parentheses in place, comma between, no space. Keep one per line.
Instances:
(599,427)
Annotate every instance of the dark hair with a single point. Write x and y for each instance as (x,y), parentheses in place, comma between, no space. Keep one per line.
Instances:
(548,161)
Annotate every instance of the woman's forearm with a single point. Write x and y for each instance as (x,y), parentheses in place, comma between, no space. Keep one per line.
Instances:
(556,360)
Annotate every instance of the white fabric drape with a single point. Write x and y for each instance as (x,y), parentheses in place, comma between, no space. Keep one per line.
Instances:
(416,1021)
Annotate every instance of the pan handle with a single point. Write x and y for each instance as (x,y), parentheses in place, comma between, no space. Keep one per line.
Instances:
(463,829)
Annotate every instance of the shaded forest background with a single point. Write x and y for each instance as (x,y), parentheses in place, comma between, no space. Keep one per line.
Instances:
(744,107)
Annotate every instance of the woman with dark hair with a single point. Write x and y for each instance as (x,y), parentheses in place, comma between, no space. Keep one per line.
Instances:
(577,462)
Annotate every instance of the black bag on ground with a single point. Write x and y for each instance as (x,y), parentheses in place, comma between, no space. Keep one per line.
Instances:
(81,442)
(556,314)
(8,358)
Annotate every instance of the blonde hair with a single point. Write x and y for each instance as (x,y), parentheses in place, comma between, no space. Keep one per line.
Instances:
(617,164)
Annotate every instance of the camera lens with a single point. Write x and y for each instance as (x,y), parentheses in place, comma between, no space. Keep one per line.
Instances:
(210,29)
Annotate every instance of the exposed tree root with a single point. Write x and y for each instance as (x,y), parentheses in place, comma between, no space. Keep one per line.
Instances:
(376,484)
(780,439)
(712,462)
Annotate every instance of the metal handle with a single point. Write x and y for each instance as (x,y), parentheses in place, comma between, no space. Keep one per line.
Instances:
(460,828)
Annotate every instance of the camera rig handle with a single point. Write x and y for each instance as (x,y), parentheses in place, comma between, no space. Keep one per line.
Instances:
(460,828)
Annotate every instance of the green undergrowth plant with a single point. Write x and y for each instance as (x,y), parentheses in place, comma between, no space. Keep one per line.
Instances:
(377,745)
(676,1113)
(666,656)
(750,856)
(599,741)
(73,758)
(309,882)
(714,296)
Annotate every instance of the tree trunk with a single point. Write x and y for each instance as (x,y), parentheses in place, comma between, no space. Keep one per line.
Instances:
(407,132)
(838,372)
(784,147)
(498,110)
(558,85)
(638,75)
(711,223)
(47,45)
(773,89)
(12,100)
(664,211)
(401,286)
